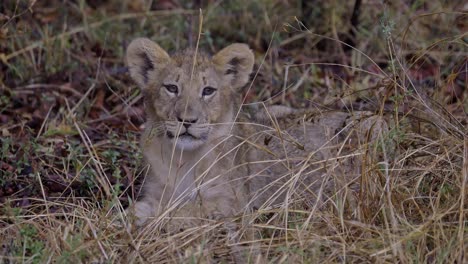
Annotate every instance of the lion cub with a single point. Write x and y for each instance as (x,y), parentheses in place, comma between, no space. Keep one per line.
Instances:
(190,143)
(206,158)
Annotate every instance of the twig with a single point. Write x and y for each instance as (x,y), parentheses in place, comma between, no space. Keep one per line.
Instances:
(61,87)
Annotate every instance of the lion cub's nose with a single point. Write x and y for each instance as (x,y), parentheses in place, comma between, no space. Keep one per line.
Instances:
(187,122)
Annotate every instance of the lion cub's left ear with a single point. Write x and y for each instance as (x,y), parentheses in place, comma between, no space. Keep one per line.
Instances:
(236,63)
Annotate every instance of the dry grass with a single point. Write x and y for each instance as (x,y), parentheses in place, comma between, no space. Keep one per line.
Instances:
(70,119)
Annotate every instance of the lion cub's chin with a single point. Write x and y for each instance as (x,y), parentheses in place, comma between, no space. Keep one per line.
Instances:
(187,143)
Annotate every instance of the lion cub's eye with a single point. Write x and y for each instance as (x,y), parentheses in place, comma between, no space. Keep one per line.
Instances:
(171,88)
(207,91)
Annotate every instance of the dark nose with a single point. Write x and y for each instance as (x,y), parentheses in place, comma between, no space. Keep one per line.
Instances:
(187,122)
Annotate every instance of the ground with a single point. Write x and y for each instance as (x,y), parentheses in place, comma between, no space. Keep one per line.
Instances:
(70,119)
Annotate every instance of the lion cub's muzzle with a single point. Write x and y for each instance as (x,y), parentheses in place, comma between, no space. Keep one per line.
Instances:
(187,135)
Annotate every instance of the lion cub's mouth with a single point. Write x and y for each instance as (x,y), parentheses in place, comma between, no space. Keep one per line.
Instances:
(187,138)
(183,135)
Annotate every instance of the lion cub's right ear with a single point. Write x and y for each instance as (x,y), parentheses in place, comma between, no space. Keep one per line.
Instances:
(145,59)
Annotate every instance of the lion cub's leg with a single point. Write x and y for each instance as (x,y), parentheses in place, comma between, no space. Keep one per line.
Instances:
(222,201)
(147,206)
(219,207)
(143,210)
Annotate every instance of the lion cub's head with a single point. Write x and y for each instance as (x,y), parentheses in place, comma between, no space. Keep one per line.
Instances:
(189,99)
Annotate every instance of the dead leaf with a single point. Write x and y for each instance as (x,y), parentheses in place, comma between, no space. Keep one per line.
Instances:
(3,33)
(3,17)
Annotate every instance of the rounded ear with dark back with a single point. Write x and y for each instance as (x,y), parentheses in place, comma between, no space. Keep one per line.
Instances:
(236,63)
(145,59)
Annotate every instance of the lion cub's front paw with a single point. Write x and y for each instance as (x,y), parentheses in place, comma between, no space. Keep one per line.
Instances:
(182,219)
(142,211)
(213,212)
(179,224)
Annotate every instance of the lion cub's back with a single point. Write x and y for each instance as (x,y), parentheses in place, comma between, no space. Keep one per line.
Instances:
(302,153)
